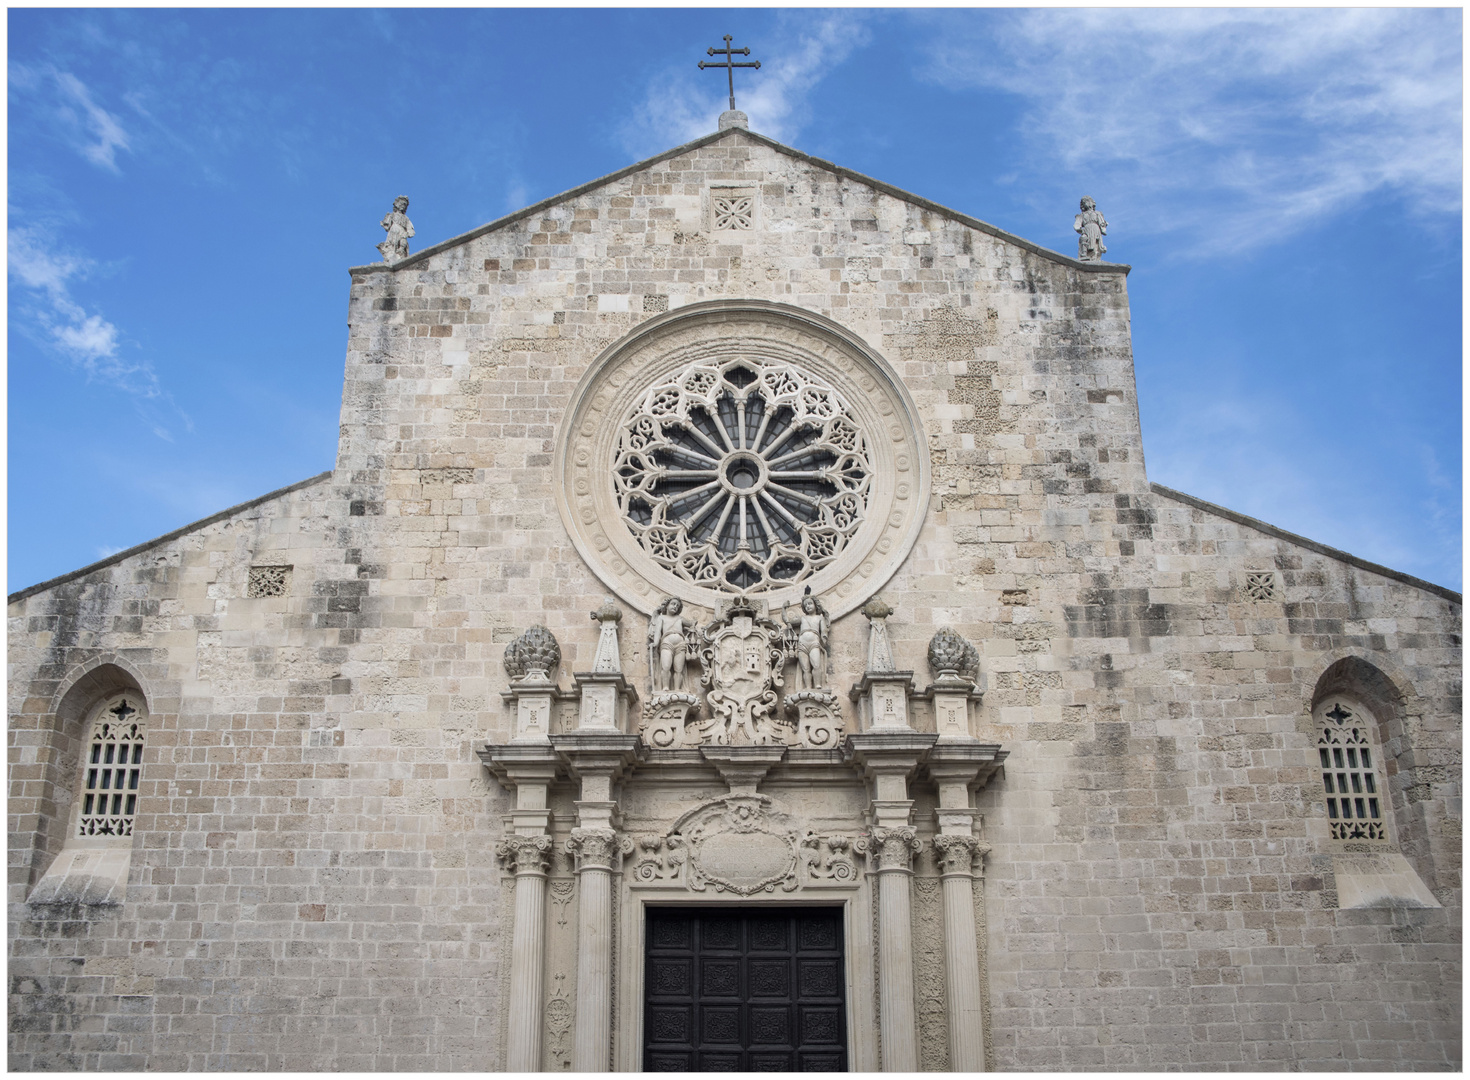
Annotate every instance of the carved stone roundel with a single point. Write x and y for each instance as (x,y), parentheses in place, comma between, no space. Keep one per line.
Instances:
(739,446)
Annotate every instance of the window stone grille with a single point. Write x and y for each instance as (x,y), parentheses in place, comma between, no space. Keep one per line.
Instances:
(1260,586)
(112,770)
(1354,810)
(744,476)
(268,581)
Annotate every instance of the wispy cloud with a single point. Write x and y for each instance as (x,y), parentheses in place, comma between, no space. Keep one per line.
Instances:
(681,105)
(75,117)
(102,135)
(88,340)
(1241,125)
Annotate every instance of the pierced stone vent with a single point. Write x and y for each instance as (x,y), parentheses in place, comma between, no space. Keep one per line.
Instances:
(268,581)
(746,476)
(112,771)
(1261,586)
(1353,809)
(732,209)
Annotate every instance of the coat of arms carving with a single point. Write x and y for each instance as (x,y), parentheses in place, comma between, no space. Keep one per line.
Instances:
(741,654)
(742,658)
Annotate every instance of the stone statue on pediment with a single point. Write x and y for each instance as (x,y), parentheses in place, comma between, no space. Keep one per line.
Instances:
(399,230)
(1091,227)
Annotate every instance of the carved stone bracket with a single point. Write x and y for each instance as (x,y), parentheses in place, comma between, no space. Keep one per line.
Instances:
(598,848)
(525,854)
(889,848)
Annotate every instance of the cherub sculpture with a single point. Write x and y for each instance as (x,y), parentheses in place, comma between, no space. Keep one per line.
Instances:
(1091,227)
(670,632)
(812,630)
(399,229)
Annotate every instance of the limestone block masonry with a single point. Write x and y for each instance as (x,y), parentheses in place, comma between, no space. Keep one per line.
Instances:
(1099,839)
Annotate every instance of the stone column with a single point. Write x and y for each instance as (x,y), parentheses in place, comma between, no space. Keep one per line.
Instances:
(891,853)
(526,852)
(597,760)
(956,855)
(596,851)
(888,758)
(955,767)
(527,857)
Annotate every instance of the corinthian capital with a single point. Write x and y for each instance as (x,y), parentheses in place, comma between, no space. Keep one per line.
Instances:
(956,854)
(525,854)
(597,849)
(889,848)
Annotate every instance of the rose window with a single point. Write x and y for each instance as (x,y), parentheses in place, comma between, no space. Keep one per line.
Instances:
(746,475)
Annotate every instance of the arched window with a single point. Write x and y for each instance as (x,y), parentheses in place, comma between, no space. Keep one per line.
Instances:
(93,862)
(1347,757)
(112,767)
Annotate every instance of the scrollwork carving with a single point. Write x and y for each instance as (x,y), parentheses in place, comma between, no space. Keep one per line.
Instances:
(661,858)
(827,857)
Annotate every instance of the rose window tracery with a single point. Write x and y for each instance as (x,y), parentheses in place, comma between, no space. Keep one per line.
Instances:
(747,475)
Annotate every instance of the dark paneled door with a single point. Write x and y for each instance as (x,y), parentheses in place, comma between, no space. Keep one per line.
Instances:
(744,990)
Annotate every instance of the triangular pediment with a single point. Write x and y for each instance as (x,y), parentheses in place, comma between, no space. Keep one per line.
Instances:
(733,134)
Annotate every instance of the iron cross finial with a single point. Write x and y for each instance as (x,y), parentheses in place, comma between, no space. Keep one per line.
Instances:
(729,65)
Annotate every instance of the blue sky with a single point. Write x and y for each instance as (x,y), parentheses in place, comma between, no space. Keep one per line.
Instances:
(187,189)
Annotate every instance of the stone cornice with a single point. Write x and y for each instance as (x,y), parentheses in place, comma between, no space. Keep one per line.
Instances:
(102,564)
(1302,541)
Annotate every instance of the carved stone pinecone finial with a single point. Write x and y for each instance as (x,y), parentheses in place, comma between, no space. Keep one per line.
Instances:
(534,651)
(951,654)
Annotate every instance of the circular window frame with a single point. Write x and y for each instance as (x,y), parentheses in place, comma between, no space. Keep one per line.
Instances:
(715,331)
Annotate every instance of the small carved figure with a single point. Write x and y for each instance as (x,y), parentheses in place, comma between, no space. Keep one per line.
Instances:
(1092,227)
(399,229)
(812,629)
(670,632)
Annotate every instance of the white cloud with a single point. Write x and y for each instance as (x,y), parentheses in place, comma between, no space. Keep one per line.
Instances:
(93,339)
(86,338)
(106,134)
(1240,125)
(681,105)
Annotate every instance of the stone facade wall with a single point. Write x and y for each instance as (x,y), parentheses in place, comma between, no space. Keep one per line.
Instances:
(313,882)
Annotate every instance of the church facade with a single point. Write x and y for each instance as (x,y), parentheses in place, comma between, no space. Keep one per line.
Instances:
(738,633)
